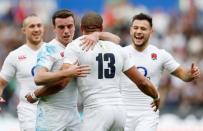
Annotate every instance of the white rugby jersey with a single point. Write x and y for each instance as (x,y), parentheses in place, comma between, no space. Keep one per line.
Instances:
(151,62)
(107,61)
(20,64)
(51,57)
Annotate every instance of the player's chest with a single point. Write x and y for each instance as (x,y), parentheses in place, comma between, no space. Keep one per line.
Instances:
(26,64)
(147,64)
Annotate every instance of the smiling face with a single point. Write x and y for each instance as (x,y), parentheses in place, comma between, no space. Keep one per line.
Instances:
(140,32)
(64,29)
(33,30)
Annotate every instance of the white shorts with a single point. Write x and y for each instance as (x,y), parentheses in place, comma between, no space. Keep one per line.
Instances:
(52,119)
(105,118)
(142,121)
(27,116)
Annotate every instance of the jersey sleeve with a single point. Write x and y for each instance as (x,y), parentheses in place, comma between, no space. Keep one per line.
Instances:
(8,70)
(45,57)
(127,60)
(170,64)
(71,53)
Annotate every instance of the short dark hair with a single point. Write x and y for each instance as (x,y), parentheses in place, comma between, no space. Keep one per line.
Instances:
(64,13)
(91,22)
(143,16)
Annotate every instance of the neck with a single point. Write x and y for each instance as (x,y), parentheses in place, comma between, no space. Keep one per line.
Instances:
(34,46)
(141,47)
(64,44)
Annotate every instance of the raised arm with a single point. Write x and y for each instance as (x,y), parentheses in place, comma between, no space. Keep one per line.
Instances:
(144,85)
(109,37)
(89,41)
(187,75)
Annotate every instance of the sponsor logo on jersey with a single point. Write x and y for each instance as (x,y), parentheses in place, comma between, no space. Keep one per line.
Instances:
(22,57)
(33,70)
(154,56)
(143,70)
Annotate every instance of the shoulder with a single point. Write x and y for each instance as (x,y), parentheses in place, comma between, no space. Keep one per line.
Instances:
(49,48)
(128,47)
(153,48)
(20,50)
(75,42)
(162,53)
(74,45)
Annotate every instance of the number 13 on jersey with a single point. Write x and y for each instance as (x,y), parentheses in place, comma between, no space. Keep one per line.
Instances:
(109,71)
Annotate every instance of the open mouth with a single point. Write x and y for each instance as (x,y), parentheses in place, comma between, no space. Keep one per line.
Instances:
(36,35)
(66,37)
(139,38)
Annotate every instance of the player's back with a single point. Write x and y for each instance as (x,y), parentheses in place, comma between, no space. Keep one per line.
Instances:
(107,61)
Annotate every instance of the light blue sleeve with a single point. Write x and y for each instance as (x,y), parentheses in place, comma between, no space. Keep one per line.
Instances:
(46,57)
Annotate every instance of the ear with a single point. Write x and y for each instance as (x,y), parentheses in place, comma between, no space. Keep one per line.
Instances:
(23,30)
(54,29)
(101,29)
(152,30)
(81,28)
(130,29)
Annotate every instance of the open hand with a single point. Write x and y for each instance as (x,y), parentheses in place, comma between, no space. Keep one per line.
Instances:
(78,71)
(156,104)
(195,72)
(89,41)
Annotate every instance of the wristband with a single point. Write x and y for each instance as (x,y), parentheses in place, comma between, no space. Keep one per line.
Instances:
(33,96)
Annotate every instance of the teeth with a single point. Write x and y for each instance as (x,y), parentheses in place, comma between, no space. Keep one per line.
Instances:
(138,37)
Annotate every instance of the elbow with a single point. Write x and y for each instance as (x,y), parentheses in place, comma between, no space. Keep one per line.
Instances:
(148,88)
(37,81)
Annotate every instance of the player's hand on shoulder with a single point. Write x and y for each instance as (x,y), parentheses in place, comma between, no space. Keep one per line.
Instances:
(89,41)
(195,72)
(156,103)
(31,98)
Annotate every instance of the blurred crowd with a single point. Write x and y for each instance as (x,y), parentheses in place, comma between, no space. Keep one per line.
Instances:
(178,31)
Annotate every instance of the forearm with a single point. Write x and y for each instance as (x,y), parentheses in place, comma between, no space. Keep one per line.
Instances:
(47,78)
(148,88)
(142,83)
(51,89)
(109,37)
(187,77)
(183,74)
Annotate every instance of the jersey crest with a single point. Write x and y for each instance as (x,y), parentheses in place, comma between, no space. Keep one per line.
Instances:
(154,56)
